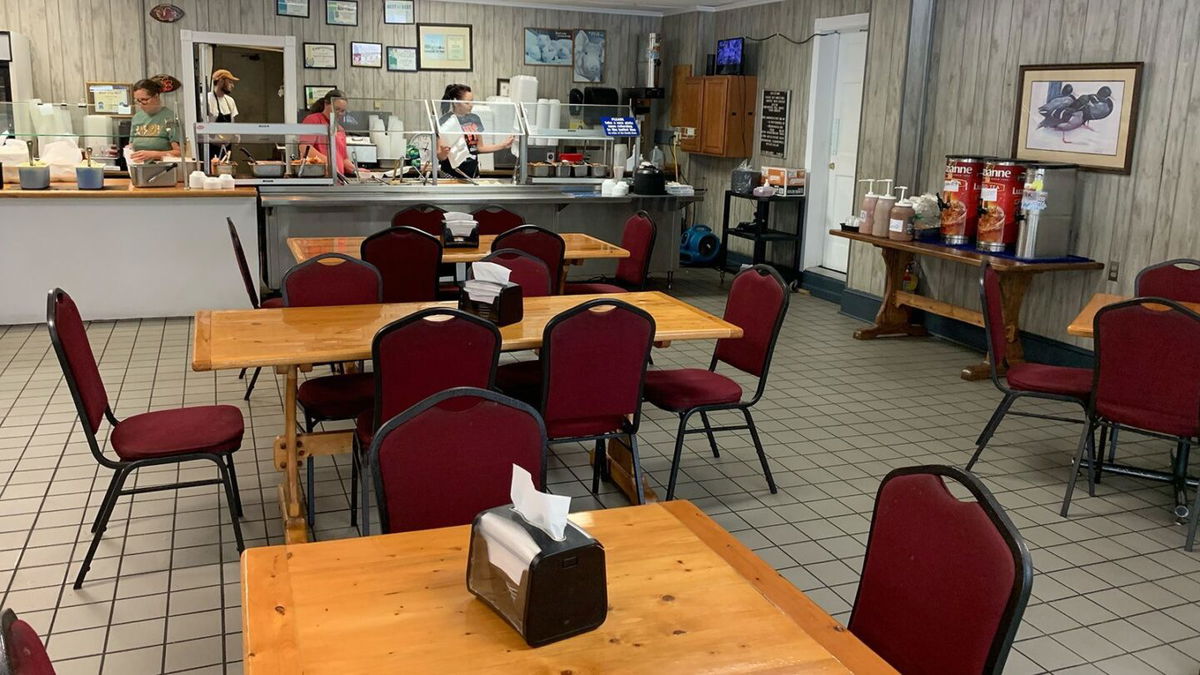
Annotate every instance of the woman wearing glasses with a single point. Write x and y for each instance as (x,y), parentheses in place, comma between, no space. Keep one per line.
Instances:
(154,128)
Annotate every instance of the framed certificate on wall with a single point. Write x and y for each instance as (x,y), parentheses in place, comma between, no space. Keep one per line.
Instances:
(399,11)
(442,46)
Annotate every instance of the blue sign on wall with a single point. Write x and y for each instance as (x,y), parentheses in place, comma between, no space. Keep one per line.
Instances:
(620,126)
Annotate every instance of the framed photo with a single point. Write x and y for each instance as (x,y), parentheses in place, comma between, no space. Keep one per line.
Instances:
(402,59)
(366,55)
(315,92)
(399,11)
(320,55)
(341,12)
(502,86)
(589,56)
(296,8)
(444,46)
(110,98)
(1083,114)
(548,47)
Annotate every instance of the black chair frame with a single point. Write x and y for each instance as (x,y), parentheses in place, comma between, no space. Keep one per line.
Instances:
(646,265)
(359,484)
(243,267)
(122,469)
(388,232)
(404,417)
(1023,581)
(997,363)
(628,428)
(1178,476)
(741,406)
(555,275)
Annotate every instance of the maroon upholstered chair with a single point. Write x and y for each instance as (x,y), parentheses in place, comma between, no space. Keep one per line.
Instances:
(1147,378)
(23,652)
(944,581)
(637,238)
(496,220)
(408,259)
(424,217)
(415,357)
(1032,380)
(524,269)
(239,254)
(540,243)
(758,302)
(450,456)
(202,433)
(332,279)
(1177,279)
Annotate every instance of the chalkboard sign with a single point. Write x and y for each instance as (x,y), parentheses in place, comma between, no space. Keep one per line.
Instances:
(772,136)
(620,126)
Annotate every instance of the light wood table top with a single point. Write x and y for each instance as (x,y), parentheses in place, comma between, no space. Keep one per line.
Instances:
(579,247)
(969,257)
(684,597)
(120,188)
(249,338)
(1081,325)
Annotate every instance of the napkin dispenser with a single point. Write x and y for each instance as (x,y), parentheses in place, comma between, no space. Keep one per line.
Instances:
(455,237)
(547,590)
(508,307)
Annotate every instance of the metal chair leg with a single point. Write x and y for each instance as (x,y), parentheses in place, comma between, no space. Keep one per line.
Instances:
(598,455)
(1190,543)
(106,509)
(354,484)
(1182,514)
(237,495)
(762,455)
(253,381)
(712,440)
(1099,464)
(242,374)
(310,468)
(229,494)
(677,458)
(637,468)
(364,520)
(109,495)
(990,428)
(1112,444)
(1084,439)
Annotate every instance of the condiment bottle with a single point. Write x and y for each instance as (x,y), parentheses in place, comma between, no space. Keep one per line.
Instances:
(868,207)
(883,209)
(900,220)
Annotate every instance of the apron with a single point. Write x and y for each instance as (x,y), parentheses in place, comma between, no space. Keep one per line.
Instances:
(218,149)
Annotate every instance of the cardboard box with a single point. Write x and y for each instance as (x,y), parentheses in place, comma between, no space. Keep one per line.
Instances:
(787,182)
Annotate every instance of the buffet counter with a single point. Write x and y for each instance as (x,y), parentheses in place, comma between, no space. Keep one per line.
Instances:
(123,252)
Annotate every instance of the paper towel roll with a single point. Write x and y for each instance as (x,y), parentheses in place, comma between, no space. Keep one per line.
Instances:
(555,115)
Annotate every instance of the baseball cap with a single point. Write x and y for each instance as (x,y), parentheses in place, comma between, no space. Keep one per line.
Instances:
(223,74)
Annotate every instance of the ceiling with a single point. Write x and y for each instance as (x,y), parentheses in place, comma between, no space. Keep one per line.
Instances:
(641,7)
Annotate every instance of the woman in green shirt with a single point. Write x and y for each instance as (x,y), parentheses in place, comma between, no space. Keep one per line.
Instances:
(154,128)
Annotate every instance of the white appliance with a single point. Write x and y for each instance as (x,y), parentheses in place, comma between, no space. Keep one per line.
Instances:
(16,79)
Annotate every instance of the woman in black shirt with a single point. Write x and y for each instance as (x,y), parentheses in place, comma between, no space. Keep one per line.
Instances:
(458,101)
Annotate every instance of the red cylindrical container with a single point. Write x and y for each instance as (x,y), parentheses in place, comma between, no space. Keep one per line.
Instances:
(1000,204)
(960,196)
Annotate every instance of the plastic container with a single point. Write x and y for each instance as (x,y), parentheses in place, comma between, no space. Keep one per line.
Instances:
(900,219)
(196,180)
(226,182)
(868,207)
(883,210)
(34,177)
(89,177)
(212,183)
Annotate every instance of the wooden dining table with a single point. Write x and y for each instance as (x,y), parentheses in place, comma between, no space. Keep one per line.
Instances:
(291,340)
(684,597)
(1081,325)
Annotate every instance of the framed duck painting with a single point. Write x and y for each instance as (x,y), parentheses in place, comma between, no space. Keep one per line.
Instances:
(1083,114)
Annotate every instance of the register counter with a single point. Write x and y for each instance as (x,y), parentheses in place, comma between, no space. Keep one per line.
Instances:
(359,210)
(123,252)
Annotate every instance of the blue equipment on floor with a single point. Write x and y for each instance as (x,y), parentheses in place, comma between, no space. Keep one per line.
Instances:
(699,246)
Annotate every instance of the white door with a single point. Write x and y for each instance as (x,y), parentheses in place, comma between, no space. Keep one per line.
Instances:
(843,144)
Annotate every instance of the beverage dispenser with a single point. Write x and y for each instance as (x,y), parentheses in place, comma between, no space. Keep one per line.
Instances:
(960,198)
(1047,227)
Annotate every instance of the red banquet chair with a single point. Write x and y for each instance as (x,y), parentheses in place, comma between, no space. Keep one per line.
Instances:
(239,253)
(425,217)
(445,459)
(758,302)
(944,581)
(210,433)
(408,260)
(23,651)
(1022,380)
(326,280)
(529,272)
(540,243)
(632,272)
(1147,379)
(416,357)
(496,220)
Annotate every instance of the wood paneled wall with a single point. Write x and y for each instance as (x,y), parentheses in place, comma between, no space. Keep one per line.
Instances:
(1135,220)
(79,40)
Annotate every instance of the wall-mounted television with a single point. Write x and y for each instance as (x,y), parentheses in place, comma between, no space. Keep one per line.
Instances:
(731,56)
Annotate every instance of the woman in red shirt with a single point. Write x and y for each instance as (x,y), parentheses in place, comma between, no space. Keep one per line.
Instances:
(333,103)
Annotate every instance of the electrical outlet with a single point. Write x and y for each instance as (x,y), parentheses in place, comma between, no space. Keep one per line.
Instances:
(379,105)
(1114,270)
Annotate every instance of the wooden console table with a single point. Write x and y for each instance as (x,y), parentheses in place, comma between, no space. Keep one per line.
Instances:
(894,317)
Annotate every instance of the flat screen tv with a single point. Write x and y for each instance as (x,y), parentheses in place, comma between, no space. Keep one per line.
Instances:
(731,56)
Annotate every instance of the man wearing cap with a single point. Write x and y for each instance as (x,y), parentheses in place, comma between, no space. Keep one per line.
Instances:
(221,106)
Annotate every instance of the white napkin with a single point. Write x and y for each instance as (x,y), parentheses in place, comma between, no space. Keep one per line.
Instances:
(544,511)
(456,215)
(489,280)
(509,546)
(460,228)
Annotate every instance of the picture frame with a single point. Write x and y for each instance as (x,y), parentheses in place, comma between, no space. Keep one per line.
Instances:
(341,13)
(549,47)
(293,8)
(402,59)
(320,55)
(588,51)
(400,12)
(502,86)
(313,92)
(1083,114)
(366,55)
(444,46)
(110,98)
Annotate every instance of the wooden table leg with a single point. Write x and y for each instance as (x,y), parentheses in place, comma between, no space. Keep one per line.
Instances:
(1013,286)
(892,319)
(620,468)
(295,527)
(562,277)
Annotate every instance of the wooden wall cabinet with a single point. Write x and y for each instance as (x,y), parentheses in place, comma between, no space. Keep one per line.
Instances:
(721,108)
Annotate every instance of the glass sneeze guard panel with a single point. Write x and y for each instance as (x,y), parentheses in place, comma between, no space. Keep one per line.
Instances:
(38,124)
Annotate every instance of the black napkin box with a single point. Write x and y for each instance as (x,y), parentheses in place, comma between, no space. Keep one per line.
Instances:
(451,241)
(508,307)
(562,591)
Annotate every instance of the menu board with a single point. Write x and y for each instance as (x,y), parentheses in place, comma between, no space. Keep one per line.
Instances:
(773,133)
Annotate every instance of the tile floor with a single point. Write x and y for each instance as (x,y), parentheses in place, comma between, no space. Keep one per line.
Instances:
(1113,593)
